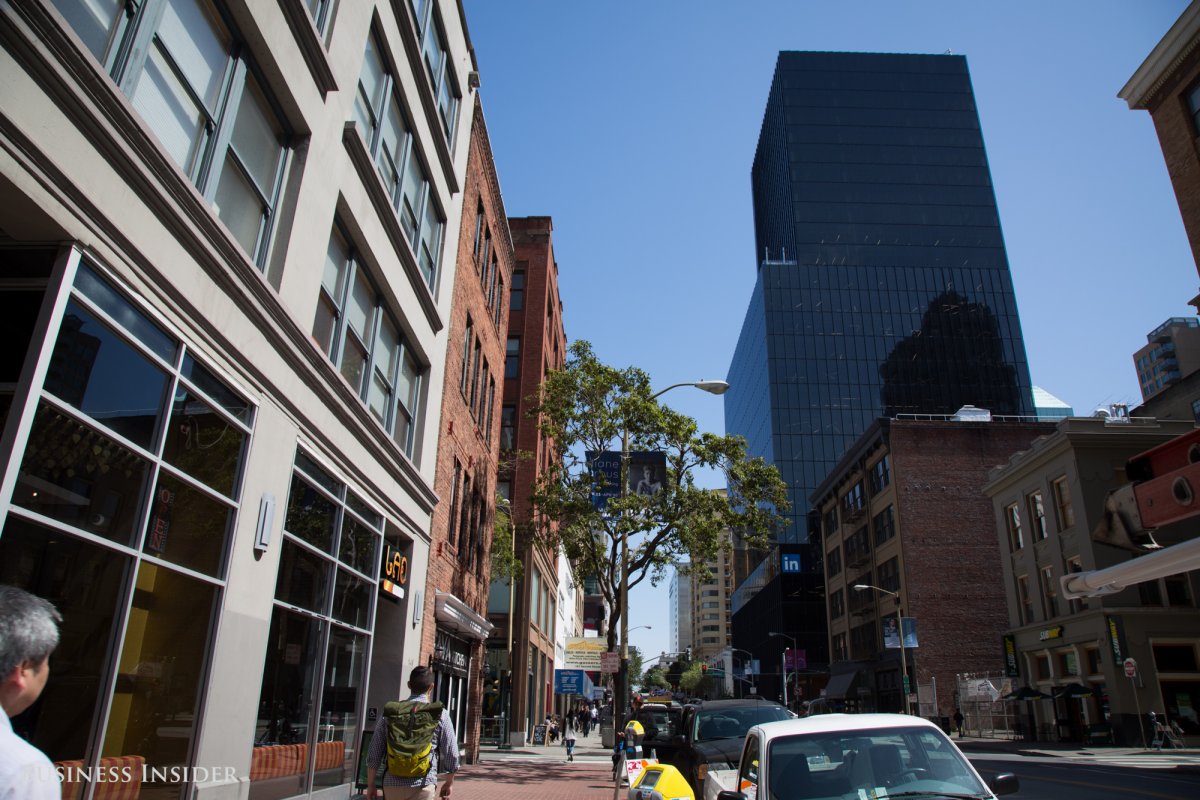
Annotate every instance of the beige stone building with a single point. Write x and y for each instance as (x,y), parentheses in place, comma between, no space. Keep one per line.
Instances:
(226,288)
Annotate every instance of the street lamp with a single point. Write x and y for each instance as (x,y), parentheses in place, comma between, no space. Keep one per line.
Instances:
(712,387)
(750,657)
(783,661)
(862,587)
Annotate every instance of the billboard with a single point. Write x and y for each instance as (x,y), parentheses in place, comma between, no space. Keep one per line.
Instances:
(583,652)
(572,681)
(647,474)
(891,640)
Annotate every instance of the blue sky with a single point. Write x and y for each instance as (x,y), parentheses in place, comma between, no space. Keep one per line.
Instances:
(633,125)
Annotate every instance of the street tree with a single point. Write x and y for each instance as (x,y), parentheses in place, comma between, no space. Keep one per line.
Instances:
(655,679)
(694,680)
(589,406)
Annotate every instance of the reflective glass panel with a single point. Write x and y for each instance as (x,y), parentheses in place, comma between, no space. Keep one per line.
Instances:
(103,376)
(303,578)
(187,527)
(81,477)
(203,443)
(341,697)
(311,516)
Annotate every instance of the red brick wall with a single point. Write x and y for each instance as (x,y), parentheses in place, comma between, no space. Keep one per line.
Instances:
(462,437)
(1177,135)
(543,344)
(951,567)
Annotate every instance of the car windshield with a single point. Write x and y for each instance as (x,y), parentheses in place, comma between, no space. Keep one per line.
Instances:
(666,718)
(870,763)
(732,723)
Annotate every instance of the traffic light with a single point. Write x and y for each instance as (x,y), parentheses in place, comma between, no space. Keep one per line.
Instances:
(703,667)
(689,654)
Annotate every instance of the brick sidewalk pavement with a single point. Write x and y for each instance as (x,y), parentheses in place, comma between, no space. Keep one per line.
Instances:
(492,780)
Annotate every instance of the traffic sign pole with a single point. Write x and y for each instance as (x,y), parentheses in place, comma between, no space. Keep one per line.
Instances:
(1131,673)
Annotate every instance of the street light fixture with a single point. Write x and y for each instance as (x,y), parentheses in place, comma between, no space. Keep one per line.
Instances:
(862,587)
(621,696)
(783,661)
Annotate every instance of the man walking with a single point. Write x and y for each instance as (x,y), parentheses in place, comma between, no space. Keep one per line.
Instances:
(28,634)
(443,755)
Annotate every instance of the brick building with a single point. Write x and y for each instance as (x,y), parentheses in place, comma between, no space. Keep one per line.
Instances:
(1167,85)
(904,511)
(524,614)
(459,575)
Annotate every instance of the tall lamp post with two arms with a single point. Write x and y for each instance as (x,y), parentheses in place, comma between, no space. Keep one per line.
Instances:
(621,696)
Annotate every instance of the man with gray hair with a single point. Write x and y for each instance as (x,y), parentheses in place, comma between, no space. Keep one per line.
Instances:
(28,634)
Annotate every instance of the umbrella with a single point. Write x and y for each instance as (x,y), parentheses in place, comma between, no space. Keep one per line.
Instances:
(1073,690)
(1027,693)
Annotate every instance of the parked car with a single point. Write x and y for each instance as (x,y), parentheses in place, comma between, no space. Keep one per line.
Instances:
(711,735)
(852,756)
(668,724)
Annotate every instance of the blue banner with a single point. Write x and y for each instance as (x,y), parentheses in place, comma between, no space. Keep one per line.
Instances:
(891,640)
(647,474)
(572,681)
(606,477)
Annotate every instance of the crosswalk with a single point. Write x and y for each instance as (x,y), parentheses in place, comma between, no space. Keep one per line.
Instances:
(1140,760)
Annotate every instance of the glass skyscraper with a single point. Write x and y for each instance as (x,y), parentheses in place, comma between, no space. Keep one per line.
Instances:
(883,284)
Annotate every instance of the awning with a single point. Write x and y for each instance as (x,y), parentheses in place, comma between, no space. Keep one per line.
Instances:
(839,685)
(458,616)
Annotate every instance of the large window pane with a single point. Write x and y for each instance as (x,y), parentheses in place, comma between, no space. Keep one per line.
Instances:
(170,112)
(354,362)
(359,545)
(341,697)
(199,45)
(414,180)
(239,207)
(361,307)
(391,148)
(91,20)
(187,527)
(159,685)
(303,578)
(311,516)
(85,583)
(203,443)
(352,600)
(99,373)
(369,101)
(285,705)
(234,404)
(257,137)
(431,233)
(94,288)
(79,476)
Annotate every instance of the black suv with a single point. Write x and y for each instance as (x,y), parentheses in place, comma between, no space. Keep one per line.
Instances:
(712,734)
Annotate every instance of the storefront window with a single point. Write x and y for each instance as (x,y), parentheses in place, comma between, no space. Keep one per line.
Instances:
(156,700)
(97,463)
(86,583)
(311,701)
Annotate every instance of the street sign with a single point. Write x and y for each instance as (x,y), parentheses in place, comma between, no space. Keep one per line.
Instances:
(1130,668)
(610,662)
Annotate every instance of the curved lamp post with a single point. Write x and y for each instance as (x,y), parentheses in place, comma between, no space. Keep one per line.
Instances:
(862,587)
(621,697)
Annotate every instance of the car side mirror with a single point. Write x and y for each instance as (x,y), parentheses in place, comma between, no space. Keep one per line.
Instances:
(1004,783)
(730,795)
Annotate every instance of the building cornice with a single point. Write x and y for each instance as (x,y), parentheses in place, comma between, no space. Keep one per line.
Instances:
(1163,60)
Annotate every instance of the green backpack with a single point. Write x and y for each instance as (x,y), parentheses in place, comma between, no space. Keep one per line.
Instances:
(410,736)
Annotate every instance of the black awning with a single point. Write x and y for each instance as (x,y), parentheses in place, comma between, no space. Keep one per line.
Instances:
(839,685)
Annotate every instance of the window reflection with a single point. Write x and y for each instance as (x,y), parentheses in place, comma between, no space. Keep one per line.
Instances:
(104,377)
(279,765)
(303,578)
(162,662)
(85,583)
(187,526)
(340,723)
(311,515)
(79,476)
(203,443)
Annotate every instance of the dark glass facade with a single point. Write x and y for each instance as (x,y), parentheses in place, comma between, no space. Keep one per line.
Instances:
(883,288)
(883,283)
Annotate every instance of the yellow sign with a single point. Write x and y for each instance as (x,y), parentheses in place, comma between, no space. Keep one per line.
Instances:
(583,652)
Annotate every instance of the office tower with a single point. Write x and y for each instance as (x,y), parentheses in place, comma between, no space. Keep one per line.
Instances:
(1171,353)
(883,285)
(681,609)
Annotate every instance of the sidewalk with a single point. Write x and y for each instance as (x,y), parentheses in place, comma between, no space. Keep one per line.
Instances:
(977,745)
(533,781)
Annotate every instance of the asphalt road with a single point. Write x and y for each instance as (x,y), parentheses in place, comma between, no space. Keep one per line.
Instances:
(1129,778)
